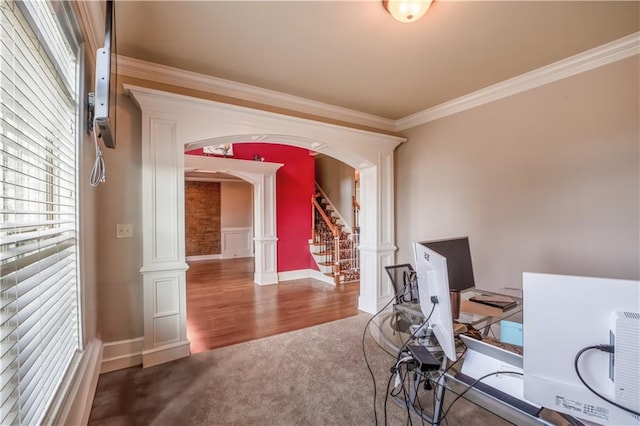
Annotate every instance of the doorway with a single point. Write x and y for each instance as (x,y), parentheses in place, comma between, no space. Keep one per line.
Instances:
(171,121)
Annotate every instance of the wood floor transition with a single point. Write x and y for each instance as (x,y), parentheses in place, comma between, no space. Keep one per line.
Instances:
(225,307)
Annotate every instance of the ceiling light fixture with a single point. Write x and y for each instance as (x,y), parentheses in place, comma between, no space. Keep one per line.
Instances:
(407,10)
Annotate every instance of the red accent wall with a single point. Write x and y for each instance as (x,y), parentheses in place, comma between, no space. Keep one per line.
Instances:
(294,188)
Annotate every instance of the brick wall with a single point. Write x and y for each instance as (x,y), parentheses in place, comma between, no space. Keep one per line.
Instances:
(202,218)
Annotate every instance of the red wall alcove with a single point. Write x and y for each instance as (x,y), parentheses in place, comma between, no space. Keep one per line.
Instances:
(295,184)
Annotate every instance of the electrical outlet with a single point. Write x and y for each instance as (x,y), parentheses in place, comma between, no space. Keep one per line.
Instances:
(124,230)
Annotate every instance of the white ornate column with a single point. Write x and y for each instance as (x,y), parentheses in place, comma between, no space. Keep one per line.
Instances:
(266,250)
(377,237)
(164,266)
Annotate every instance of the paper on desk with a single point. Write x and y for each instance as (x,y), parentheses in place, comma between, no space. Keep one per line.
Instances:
(492,298)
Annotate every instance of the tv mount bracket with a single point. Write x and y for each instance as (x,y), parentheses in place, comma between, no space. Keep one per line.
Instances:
(91,108)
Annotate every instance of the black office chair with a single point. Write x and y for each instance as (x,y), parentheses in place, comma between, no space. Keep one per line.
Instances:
(405,286)
(403,279)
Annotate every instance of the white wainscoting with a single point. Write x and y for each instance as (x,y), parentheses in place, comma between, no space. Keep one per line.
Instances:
(236,242)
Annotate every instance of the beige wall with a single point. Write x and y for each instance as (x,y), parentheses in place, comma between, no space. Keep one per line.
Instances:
(543,181)
(237,205)
(337,181)
(119,201)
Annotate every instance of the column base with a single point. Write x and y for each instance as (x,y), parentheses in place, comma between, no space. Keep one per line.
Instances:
(166,353)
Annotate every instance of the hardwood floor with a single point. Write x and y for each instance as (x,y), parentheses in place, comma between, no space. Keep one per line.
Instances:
(225,307)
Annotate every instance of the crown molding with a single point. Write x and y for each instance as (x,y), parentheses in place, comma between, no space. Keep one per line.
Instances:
(614,51)
(136,68)
(617,50)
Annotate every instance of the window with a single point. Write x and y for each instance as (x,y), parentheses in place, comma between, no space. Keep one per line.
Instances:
(39,288)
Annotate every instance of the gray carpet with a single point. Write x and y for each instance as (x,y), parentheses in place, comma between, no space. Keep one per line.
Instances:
(315,376)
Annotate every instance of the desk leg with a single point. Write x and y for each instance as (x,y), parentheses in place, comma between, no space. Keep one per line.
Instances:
(439,390)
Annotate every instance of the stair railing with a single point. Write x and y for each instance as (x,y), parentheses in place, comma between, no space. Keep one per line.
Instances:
(356,214)
(330,247)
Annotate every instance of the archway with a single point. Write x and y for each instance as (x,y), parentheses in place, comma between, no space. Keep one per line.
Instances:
(263,178)
(171,121)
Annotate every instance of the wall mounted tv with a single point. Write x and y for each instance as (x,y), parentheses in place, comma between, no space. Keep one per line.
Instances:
(105,90)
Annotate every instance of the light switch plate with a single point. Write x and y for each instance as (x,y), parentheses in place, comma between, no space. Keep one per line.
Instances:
(124,230)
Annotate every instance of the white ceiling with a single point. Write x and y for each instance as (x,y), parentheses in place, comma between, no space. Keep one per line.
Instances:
(353,54)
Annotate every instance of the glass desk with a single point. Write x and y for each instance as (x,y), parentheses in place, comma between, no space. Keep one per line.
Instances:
(393,330)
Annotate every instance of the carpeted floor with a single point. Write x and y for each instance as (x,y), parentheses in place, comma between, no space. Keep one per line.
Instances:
(315,376)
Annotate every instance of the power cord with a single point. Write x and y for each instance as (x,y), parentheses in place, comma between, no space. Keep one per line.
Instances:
(603,348)
(366,360)
(441,418)
(396,371)
(399,361)
(413,335)
(98,172)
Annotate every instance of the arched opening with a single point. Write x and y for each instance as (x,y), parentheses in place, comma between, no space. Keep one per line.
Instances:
(263,178)
(169,123)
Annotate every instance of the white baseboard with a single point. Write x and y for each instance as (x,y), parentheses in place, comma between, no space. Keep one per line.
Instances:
(77,405)
(321,277)
(129,353)
(294,275)
(219,256)
(203,257)
(304,273)
(266,278)
(235,255)
(122,354)
(166,353)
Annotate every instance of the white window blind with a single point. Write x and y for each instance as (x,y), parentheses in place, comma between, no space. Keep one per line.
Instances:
(39,327)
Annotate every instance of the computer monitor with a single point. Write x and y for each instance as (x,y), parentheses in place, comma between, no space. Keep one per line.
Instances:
(433,291)
(458,255)
(562,315)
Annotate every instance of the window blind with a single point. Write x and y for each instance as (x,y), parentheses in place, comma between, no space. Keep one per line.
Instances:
(39,327)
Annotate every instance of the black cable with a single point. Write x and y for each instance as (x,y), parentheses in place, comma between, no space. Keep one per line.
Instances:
(416,386)
(604,348)
(406,396)
(413,335)
(386,398)
(366,360)
(403,348)
(364,352)
(441,418)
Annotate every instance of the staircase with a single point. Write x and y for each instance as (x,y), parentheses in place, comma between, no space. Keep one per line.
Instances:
(334,245)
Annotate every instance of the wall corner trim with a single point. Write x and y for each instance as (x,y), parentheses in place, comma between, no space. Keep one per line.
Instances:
(91,16)
(608,53)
